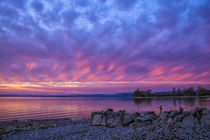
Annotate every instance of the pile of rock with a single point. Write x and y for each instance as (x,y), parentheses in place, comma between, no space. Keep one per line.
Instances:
(110,118)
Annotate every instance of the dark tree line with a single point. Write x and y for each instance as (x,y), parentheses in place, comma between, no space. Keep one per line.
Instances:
(175,92)
(143,93)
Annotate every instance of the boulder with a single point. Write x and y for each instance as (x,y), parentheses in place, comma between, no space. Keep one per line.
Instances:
(142,119)
(113,122)
(147,117)
(115,119)
(96,119)
(205,119)
(103,121)
(109,113)
(189,119)
(118,120)
(171,121)
(197,112)
(185,113)
(119,114)
(138,125)
(173,113)
(127,119)
(135,115)
(164,116)
(156,121)
(146,113)
(179,118)
(133,124)
(181,110)
(110,122)
(205,112)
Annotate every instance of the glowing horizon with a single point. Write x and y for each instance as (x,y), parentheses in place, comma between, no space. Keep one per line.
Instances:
(63,88)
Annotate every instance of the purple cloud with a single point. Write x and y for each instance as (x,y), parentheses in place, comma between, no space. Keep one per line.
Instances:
(98,41)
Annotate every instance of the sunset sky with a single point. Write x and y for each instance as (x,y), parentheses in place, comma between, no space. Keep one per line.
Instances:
(103,46)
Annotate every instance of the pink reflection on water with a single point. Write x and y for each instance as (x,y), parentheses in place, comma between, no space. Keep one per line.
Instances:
(12,108)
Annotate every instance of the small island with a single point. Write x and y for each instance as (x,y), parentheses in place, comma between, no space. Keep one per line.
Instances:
(200,91)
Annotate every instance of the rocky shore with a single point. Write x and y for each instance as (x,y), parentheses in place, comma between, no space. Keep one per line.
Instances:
(174,124)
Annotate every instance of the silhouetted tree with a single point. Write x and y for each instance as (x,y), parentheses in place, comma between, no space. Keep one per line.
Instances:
(179,92)
(203,91)
(142,93)
(189,91)
(174,91)
(186,92)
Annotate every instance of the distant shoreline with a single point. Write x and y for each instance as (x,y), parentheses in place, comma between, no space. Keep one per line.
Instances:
(114,96)
(107,97)
(73,95)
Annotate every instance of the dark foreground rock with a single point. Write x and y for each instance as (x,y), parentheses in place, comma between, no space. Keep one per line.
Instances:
(121,118)
(194,124)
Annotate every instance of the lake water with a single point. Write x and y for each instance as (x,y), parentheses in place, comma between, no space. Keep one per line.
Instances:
(20,108)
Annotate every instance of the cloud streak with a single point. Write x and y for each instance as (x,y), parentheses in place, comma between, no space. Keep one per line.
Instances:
(105,41)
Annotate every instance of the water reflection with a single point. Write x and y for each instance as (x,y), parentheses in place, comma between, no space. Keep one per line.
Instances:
(144,101)
(172,102)
(50,107)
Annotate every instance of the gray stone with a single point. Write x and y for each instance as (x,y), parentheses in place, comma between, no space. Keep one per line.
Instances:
(205,119)
(179,118)
(120,112)
(173,113)
(118,120)
(148,117)
(133,124)
(103,121)
(111,122)
(142,119)
(197,112)
(185,113)
(115,119)
(171,121)
(189,119)
(181,110)
(135,115)
(205,112)
(109,113)
(127,119)
(146,113)
(157,120)
(164,116)
(97,118)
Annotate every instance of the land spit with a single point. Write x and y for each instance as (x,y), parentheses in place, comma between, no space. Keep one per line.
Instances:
(174,124)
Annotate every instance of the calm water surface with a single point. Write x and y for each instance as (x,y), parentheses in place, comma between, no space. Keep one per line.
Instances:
(20,108)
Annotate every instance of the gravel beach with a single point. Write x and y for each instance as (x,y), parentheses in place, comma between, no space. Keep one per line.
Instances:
(193,124)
